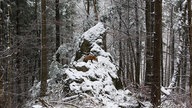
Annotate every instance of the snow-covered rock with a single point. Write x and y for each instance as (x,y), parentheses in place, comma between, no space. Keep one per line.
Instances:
(90,82)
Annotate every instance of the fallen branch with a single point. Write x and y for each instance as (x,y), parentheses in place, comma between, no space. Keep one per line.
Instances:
(45,103)
(141,103)
(70,98)
(73,97)
(65,103)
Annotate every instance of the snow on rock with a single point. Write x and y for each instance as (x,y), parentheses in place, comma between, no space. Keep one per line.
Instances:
(97,81)
(93,81)
(94,33)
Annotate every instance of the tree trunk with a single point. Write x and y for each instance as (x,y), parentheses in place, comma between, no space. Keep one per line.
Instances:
(1,89)
(190,39)
(172,44)
(88,9)
(149,32)
(119,72)
(184,68)
(44,71)
(18,54)
(38,58)
(138,58)
(2,99)
(128,59)
(184,36)
(95,9)
(156,87)
(57,17)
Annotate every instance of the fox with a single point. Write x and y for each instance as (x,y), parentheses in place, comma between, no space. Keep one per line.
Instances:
(90,57)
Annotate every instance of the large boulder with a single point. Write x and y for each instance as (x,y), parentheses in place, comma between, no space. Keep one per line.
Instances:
(91,82)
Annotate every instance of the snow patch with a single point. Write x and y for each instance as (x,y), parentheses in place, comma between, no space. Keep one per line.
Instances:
(37,106)
(94,33)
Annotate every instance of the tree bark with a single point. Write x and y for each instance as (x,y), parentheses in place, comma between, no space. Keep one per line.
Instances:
(44,71)
(19,80)
(2,99)
(57,17)
(88,8)
(95,9)
(149,32)
(156,86)
(190,39)
(172,44)
(119,84)
(138,58)
(38,58)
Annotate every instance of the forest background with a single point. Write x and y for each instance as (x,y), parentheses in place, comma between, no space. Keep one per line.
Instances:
(150,41)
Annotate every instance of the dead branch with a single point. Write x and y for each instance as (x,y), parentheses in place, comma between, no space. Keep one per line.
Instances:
(73,97)
(65,103)
(45,103)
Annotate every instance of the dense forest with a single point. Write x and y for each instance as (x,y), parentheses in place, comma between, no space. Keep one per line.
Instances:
(143,46)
